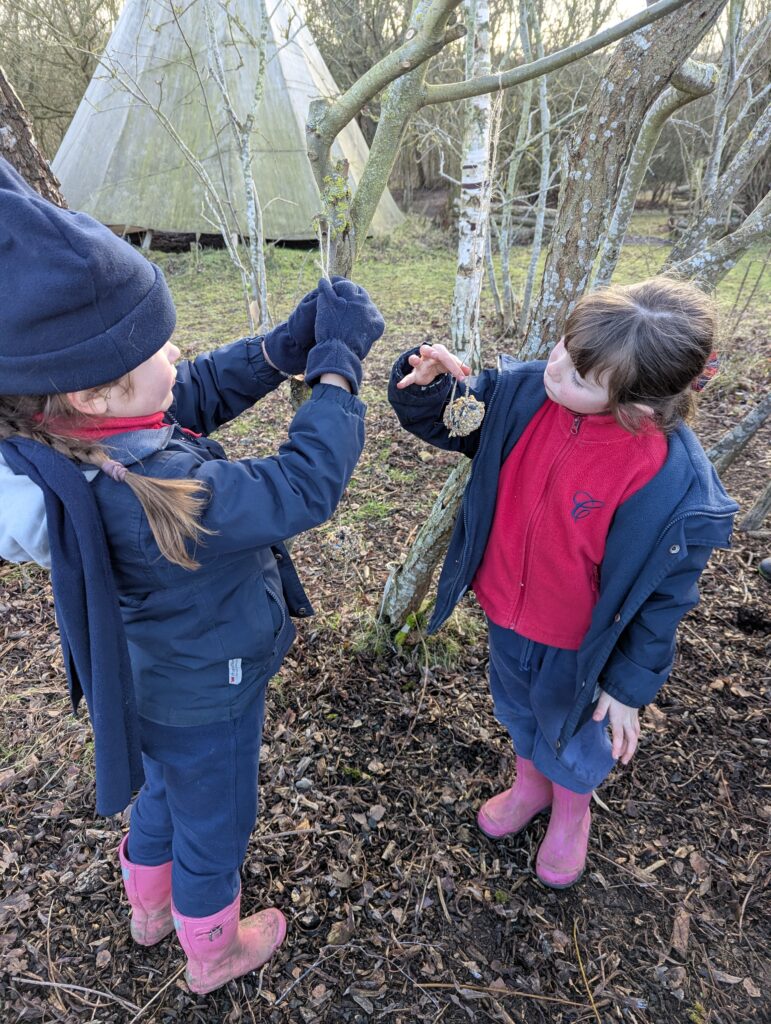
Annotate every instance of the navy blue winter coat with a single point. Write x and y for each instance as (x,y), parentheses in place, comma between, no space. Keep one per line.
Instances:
(657,547)
(202,641)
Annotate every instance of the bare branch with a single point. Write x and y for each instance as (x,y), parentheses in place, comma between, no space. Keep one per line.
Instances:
(707,266)
(525,72)
(427,35)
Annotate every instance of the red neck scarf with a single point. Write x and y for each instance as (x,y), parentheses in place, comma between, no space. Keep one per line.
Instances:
(97,428)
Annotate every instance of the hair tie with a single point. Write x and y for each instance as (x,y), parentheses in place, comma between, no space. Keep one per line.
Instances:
(711,367)
(115,470)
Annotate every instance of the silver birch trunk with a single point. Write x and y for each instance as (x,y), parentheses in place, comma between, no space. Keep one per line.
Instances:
(725,89)
(520,146)
(543,184)
(474,208)
(255,280)
(408,584)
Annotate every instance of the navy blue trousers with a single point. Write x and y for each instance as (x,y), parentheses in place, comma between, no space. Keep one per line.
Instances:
(534,687)
(198,806)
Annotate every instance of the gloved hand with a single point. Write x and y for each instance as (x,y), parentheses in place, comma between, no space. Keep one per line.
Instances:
(288,344)
(348,323)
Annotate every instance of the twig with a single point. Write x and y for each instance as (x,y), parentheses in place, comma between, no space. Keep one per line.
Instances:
(498,992)
(312,831)
(688,781)
(74,988)
(583,972)
(441,899)
(744,907)
(159,993)
(321,960)
(51,974)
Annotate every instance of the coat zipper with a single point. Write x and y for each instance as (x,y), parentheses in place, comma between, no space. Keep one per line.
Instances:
(464,510)
(280,604)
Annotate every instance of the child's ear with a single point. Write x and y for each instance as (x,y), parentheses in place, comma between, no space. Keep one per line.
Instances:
(88,403)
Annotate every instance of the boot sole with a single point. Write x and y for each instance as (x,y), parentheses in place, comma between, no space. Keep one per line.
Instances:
(515,832)
(561,885)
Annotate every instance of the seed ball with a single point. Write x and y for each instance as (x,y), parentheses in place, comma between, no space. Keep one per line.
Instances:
(463,416)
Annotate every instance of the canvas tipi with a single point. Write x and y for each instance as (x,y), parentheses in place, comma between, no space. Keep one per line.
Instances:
(119,160)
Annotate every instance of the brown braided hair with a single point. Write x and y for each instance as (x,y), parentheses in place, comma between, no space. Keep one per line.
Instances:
(173,507)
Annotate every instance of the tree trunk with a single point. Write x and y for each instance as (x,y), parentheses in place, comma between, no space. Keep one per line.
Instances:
(596,159)
(754,518)
(698,80)
(408,584)
(709,264)
(722,454)
(474,209)
(18,146)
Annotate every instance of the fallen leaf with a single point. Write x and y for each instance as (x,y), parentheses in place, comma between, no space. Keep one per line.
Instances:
(366,1004)
(377,812)
(726,979)
(340,933)
(698,864)
(680,931)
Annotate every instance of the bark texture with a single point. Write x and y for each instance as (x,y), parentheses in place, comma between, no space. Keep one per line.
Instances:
(596,159)
(722,454)
(18,146)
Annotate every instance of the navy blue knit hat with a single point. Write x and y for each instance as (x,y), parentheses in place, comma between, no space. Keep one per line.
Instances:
(78,306)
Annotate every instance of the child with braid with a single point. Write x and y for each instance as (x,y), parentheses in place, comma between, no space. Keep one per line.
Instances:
(173,588)
(589,515)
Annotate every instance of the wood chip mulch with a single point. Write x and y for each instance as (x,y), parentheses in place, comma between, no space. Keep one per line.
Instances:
(373,766)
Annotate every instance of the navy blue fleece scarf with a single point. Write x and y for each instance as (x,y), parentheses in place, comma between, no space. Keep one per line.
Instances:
(93,638)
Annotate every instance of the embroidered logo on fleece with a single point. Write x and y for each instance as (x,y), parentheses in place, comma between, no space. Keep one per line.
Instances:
(583,504)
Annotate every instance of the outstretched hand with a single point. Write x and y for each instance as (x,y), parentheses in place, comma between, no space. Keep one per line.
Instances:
(431,362)
(624,725)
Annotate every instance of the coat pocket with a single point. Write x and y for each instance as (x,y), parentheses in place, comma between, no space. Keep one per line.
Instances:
(250,614)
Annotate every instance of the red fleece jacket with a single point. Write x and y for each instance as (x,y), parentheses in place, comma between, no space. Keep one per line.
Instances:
(557,494)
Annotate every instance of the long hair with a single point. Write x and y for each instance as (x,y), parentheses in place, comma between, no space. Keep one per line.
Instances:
(173,507)
(647,343)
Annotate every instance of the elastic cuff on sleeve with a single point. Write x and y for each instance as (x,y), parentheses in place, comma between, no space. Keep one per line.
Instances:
(334,356)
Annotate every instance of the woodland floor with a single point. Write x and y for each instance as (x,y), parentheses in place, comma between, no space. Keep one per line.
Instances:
(375,761)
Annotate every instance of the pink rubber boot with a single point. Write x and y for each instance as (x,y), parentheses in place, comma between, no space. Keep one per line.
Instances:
(149,893)
(509,812)
(221,947)
(562,854)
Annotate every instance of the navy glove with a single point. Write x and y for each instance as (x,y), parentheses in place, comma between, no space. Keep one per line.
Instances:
(348,323)
(288,344)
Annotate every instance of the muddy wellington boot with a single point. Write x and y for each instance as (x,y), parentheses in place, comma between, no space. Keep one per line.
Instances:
(149,892)
(562,854)
(509,812)
(221,947)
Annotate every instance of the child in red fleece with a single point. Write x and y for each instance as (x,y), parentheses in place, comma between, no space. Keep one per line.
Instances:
(605,514)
